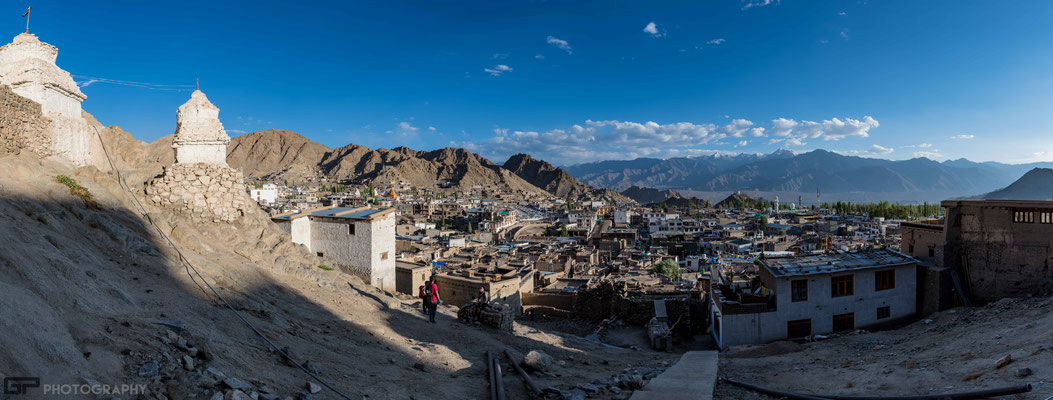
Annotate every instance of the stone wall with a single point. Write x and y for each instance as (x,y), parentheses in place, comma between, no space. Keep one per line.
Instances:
(995,255)
(22,125)
(207,193)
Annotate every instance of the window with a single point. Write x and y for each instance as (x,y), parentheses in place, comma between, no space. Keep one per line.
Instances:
(1046,218)
(798,328)
(884,312)
(841,286)
(383,256)
(1024,217)
(799,290)
(910,248)
(844,322)
(932,251)
(321,254)
(884,280)
(351,229)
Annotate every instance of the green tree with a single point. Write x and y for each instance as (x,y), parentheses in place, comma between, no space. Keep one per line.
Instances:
(669,268)
(563,231)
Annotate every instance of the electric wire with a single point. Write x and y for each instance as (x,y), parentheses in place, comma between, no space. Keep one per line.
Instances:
(187,264)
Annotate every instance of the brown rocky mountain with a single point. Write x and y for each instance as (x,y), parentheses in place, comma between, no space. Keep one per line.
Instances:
(646,195)
(287,155)
(276,154)
(555,180)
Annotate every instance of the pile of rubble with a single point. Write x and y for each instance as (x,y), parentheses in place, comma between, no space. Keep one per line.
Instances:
(206,192)
(618,386)
(496,315)
(180,369)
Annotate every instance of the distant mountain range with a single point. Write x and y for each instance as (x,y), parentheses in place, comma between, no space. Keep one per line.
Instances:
(555,180)
(818,170)
(1036,184)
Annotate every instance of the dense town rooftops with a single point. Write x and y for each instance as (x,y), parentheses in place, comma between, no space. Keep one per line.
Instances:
(836,262)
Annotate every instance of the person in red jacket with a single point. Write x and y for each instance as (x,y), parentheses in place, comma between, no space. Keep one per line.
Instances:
(423,298)
(432,299)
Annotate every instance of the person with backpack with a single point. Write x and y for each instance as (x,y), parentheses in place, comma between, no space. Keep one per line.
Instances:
(431,299)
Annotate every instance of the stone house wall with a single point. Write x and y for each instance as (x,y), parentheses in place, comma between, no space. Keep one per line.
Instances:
(23,126)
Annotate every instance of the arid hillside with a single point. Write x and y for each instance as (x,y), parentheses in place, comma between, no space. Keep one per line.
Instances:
(92,293)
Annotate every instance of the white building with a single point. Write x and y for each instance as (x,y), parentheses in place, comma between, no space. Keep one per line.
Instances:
(359,241)
(28,67)
(821,294)
(268,193)
(623,217)
(200,137)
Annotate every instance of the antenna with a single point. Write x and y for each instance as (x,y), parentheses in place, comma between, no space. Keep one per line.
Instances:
(198,84)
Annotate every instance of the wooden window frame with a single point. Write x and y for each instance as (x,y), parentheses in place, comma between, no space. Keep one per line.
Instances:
(794,298)
(351,228)
(884,280)
(791,325)
(887,310)
(837,281)
(1023,217)
(839,322)
(1045,217)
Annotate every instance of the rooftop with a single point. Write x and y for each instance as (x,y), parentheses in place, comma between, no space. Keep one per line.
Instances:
(837,262)
(360,213)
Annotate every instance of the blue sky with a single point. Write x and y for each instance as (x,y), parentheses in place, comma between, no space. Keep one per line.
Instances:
(579,81)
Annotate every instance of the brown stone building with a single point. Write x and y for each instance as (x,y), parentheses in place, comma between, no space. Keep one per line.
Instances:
(1000,248)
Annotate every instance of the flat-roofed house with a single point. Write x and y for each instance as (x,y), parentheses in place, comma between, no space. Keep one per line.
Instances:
(802,296)
(358,241)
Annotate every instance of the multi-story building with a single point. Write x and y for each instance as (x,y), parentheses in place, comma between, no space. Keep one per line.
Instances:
(358,241)
(1000,248)
(802,296)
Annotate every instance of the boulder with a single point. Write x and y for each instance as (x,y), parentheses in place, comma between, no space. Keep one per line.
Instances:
(538,361)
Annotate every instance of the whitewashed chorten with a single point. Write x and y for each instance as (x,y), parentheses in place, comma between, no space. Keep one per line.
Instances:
(28,67)
(200,137)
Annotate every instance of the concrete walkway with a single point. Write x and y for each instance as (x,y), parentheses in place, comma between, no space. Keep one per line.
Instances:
(691,378)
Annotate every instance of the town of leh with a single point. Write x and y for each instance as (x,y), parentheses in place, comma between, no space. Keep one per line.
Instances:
(723,199)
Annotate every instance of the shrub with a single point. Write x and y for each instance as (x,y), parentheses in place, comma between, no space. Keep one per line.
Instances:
(325,267)
(77,190)
(669,268)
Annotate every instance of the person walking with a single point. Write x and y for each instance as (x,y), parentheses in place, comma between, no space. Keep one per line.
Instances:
(431,290)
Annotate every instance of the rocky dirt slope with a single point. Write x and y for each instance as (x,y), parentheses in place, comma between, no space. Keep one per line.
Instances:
(955,350)
(94,295)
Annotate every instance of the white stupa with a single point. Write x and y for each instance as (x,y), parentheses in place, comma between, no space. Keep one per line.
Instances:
(200,137)
(28,67)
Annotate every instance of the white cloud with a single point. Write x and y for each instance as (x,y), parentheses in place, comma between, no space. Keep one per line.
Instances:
(652,29)
(614,139)
(844,34)
(431,128)
(539,57)
(757,3)
(920,146)
(500,56)
(963,137)
(842,13)
(87,83)
(498,70)
(560,43)
(829,130)
(405,128)
(876,149)
(716,42)
(932,155)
